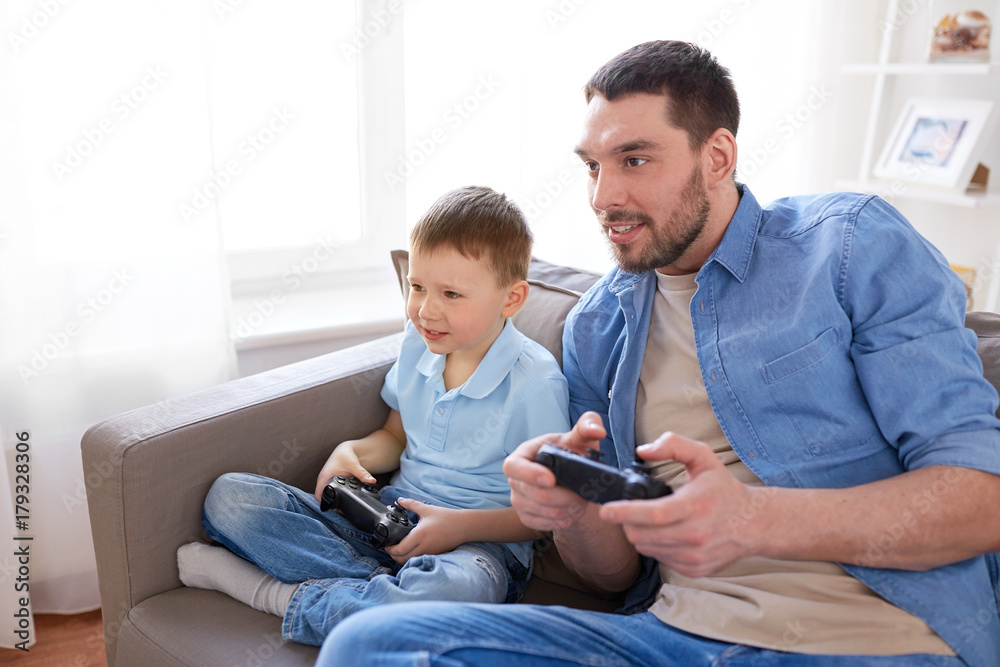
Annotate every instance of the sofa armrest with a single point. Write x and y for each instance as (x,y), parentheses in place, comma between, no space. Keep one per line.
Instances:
(148,470)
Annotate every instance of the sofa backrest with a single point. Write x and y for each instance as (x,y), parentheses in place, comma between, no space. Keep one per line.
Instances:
(553,291)
(987,328)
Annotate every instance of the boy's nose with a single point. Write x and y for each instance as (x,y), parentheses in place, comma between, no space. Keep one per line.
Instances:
(428,310)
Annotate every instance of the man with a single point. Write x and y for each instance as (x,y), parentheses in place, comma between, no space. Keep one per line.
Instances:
(804,379)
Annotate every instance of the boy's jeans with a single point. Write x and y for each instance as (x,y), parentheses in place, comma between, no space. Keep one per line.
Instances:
(283,531)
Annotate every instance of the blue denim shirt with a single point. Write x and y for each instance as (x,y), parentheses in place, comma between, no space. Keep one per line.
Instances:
(832,344)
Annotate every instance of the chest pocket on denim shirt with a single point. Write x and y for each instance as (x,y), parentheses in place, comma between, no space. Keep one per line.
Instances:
(817,389)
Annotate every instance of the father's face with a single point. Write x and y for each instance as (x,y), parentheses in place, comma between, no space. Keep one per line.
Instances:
(646,185)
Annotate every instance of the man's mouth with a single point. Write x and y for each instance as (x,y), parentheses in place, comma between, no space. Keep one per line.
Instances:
(624,234)
(622,226)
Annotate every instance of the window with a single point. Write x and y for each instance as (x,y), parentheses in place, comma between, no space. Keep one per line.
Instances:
(285,100)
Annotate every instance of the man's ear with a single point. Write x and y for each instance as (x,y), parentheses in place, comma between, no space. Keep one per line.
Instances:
(516,297)
(720,157)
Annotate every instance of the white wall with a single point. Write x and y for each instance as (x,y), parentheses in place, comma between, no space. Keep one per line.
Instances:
(783,54)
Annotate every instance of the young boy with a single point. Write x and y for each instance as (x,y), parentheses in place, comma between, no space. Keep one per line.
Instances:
(466,390)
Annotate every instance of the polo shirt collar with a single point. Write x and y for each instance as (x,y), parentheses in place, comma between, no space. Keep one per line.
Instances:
(492,370)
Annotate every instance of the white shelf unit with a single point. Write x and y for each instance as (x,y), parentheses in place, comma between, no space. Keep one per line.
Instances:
(882,70)
(864,181)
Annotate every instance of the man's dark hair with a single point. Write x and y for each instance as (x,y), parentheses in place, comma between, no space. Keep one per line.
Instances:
(480,224)
(700,93)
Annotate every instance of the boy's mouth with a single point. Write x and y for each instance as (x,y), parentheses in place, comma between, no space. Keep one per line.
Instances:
(433,335)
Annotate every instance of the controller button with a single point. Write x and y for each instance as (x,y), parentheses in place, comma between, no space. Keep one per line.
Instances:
(381,531)
(635,491)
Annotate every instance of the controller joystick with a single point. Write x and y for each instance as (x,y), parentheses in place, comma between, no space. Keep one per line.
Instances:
(359,503)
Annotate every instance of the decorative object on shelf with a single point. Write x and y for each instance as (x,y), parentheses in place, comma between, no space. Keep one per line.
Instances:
(968,276)
(960,33)
(937,142)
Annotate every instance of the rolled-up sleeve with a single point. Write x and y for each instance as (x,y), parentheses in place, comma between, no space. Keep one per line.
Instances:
(915,359)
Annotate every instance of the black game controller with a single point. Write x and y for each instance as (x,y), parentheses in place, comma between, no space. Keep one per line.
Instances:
(360,504)
(598,482)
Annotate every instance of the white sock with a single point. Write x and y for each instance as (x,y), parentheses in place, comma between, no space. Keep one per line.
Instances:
(219,569)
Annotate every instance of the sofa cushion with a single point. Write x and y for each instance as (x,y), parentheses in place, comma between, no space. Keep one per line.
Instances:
(553,291)
(191,626)
(987,328)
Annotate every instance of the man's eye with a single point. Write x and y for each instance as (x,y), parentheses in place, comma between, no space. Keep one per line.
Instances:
(591,166)
(635,161)
(452,295)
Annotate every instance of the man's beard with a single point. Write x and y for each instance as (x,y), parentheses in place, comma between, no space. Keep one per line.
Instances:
(686,225)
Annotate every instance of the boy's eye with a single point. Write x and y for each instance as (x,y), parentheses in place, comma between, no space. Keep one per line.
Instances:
(451,295)
(416,288)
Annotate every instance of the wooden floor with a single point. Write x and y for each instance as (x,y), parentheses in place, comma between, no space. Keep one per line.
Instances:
(62,641)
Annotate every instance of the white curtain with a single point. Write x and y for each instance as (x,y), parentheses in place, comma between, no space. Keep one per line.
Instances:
(110,298)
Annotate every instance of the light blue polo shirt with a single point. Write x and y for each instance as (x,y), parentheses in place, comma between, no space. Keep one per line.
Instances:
(456,440)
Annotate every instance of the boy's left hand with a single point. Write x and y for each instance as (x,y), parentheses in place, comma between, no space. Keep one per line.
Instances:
(438,532)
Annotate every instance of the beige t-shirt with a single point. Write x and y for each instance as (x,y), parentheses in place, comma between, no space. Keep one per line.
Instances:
(797,606)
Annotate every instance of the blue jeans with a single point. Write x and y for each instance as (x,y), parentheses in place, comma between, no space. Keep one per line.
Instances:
(448,635)
(282,530)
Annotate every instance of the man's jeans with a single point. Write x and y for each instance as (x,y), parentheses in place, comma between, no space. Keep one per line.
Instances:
(448,635)
(283,531)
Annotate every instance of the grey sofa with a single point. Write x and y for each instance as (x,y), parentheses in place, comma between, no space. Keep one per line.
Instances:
(148,471)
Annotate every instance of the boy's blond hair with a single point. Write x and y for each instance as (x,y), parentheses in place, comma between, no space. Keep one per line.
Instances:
(481,224)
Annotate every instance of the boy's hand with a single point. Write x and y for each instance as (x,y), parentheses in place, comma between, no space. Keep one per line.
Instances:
(343,461)
(438,532)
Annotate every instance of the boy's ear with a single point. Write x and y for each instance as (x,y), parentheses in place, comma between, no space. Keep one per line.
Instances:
(515,298)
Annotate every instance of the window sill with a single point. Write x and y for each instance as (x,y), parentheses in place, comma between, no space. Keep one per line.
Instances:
(366,306)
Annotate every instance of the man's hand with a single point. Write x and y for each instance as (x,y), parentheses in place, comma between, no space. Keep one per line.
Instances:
(343,461)
(698,529)
(541,504)
(438,531)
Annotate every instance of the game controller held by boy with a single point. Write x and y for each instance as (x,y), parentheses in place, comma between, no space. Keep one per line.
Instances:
(465,391)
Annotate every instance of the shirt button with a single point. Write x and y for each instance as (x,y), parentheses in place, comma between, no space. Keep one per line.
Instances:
(714,379)
(439,412)
(752,455)
(702,303)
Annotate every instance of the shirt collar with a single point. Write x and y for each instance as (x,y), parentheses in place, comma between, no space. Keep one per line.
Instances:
(733,252)
(492,370)
(736,248)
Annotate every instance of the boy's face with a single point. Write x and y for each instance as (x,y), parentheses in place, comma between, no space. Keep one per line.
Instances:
(455,302)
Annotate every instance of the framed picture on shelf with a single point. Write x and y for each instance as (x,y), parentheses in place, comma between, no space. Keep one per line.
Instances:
(960,30)
(937,142)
